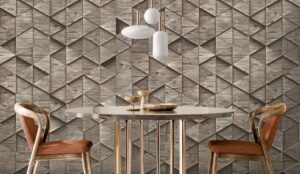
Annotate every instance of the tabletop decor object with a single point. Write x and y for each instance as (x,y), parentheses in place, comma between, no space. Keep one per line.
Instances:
(144,94)
(132,100)
(152,15)
(160,106)
(138,31)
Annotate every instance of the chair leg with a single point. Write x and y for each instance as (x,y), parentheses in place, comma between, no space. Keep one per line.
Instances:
(35,167)
(84,163)
(89,164)
(30,165)
(214,163)
(264,167)
(269,164)
(210,163)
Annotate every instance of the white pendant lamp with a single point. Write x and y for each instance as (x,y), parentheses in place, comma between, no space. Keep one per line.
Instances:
(160,43)
(152,15)
(138,31)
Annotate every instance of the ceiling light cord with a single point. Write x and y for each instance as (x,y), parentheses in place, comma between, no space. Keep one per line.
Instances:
(138,17)
(138,13)
(160,20)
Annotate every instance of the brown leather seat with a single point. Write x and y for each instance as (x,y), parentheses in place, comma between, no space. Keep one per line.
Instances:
(270,118)
(36,130)
(235,147)
(64,147)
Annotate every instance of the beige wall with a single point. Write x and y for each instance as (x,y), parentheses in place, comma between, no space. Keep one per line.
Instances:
(225,53)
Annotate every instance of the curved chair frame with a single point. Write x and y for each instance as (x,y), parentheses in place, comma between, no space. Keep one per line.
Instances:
(266,163)
(34,112)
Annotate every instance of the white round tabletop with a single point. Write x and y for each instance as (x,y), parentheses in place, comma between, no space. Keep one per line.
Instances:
(181,112)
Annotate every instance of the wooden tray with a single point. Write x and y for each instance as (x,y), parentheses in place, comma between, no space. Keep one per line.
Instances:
(131,109)
(160,106)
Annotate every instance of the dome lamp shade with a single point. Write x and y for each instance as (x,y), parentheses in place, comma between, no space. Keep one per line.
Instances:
(138,31)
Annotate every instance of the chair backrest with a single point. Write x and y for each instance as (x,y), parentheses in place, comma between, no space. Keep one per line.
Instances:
(271,116)
(29,116)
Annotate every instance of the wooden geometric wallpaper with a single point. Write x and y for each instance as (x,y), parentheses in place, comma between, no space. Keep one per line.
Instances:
(60,54)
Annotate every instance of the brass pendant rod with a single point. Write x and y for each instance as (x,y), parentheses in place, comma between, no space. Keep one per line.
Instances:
(138,17)
(160,22)
(138,13)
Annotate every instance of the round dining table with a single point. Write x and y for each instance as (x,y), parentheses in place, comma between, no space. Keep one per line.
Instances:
(181,113)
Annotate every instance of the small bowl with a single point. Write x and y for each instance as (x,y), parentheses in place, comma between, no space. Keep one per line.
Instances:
(132,99)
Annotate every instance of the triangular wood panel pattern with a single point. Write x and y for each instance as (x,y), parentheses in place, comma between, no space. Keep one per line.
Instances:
(225,53)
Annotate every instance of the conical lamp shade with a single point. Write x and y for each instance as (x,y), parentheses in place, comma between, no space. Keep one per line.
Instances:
(138,32)
(160,45)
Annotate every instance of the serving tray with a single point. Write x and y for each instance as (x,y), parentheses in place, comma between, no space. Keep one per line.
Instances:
(160,106)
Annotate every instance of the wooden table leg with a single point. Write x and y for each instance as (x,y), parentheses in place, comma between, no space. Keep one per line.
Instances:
(117,139)
(182,147)
(158,148)
(128,146)
(171,146)
(142,169)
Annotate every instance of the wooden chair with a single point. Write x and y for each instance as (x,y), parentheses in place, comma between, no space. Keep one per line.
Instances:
(271,117)
(30,117)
